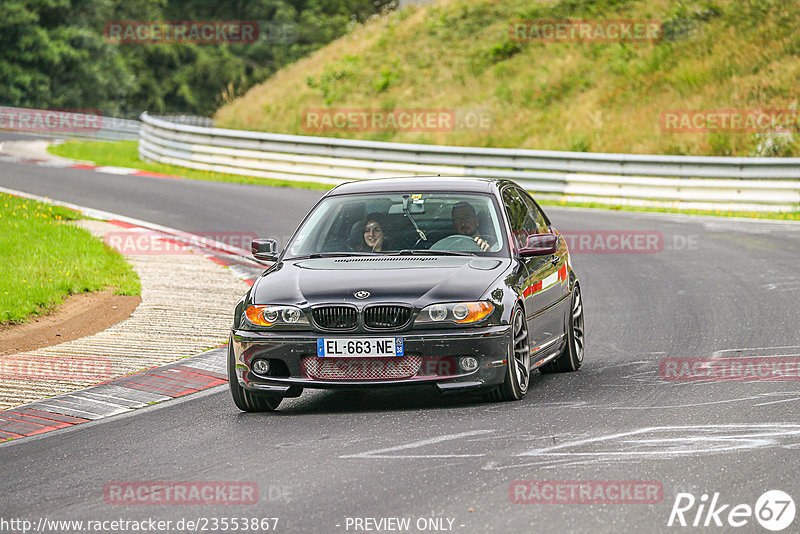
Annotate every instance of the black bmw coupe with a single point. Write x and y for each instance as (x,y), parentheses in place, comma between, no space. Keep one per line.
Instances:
(454,283)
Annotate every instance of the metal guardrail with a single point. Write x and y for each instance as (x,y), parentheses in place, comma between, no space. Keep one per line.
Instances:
(191,120)
(766,184)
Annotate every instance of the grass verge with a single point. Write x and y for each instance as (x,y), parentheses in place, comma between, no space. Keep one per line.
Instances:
(773,215)
(126,154)
(44,259)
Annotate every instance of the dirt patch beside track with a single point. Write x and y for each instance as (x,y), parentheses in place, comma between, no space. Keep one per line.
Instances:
(79,315)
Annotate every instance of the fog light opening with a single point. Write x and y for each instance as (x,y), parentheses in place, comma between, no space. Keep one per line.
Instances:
(468,363)
(260,367)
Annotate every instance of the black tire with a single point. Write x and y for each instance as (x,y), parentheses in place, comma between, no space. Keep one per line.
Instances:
(571,357)
(518,370)
(248,401)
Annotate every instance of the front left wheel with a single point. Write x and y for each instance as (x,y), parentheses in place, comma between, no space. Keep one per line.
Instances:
(248,401)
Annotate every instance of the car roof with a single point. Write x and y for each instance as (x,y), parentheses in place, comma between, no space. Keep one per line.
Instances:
(418,183)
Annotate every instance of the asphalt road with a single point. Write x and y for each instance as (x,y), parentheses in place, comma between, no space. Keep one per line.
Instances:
(715,287)
(189,205)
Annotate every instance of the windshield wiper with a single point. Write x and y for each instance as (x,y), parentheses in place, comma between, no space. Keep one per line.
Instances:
(316,255)
(425,252)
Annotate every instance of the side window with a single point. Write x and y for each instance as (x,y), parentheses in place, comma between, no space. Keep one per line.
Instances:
(535,213)
(522,224)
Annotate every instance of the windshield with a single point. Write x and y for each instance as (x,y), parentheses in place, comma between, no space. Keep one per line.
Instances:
(402,223)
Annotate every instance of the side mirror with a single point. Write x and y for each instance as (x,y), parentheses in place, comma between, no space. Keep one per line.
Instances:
(264,249)
(540,245)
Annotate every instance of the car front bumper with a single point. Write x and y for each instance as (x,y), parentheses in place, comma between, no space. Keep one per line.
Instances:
(439,351)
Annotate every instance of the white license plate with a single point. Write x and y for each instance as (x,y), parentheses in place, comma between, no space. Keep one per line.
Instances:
(369,347)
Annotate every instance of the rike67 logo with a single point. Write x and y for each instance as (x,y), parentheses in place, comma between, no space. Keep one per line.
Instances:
(774,510)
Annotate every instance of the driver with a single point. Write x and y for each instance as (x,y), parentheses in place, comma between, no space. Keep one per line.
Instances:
(466,222)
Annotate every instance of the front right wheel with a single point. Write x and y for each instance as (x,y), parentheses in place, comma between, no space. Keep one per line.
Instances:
(245,400)
(518,374)
(571,357)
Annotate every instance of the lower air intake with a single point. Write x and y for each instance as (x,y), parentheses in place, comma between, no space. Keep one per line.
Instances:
(361,368)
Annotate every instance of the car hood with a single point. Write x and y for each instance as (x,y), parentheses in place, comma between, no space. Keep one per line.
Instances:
(416,280)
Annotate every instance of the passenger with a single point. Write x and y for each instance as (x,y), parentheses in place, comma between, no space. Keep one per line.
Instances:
(466,222)
(375,238)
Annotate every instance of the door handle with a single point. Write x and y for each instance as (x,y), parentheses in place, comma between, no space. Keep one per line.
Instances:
(555,260)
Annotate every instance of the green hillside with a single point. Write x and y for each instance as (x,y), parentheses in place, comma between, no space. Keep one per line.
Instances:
(601,97)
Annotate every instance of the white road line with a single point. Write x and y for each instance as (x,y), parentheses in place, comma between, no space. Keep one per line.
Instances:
(382,453)
(693,439)
(777,402)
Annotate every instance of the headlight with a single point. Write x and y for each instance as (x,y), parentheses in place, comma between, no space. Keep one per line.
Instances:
(270,315)
(456,312)
(437,312)
(275,315)
(460,311)
(291,315)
